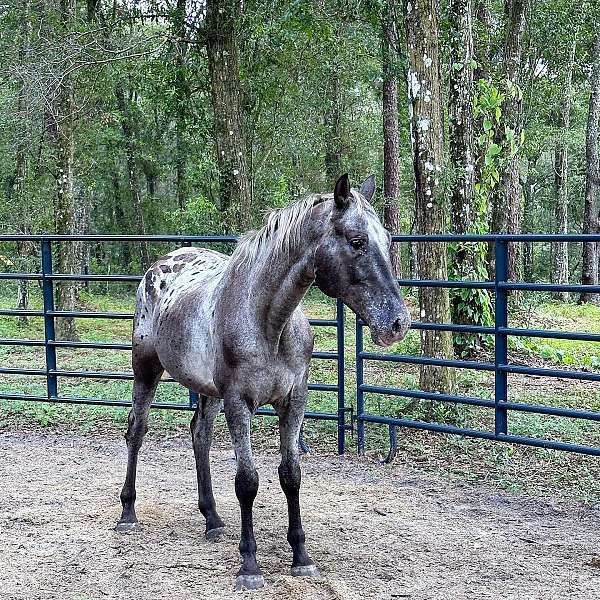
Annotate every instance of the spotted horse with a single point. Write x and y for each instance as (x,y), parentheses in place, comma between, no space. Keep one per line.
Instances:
(231,329)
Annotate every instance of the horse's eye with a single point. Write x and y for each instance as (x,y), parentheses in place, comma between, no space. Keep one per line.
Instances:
(357,243)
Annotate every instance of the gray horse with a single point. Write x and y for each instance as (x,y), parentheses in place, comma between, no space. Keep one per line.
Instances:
(232,330)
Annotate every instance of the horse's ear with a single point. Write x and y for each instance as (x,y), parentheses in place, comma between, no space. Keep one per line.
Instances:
(367,188)
(341,192)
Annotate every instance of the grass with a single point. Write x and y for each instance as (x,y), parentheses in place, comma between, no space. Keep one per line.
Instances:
(511,467)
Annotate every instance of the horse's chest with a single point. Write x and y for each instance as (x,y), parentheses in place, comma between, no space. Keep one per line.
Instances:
(263,380)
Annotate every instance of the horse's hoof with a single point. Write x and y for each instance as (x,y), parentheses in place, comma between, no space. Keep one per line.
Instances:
(249,582)
(124,527)
(306,571)
(214,535)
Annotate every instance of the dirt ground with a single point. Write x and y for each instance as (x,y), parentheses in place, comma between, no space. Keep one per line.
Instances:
(374,531)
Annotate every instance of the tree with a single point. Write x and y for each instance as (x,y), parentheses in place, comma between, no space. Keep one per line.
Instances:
(222,21)
(470,307)
(60,119)
(391,136)
(506,211)
(589,269)
(128,127)
(430,166)
(560,256)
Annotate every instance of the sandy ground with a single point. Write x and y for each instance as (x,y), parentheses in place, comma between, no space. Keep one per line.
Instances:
(374,531)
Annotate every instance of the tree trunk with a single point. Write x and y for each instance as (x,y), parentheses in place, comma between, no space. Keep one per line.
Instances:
(427,135)
(333,141)
(132,170)
(182,94)
(119,219)
(560,255)
(468,307)
(21,167)
(529,195)
(222,17)
(506,212)
(460,116)
(61,127)
(391,139)
(589,271)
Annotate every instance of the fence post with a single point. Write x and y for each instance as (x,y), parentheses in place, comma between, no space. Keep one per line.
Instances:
(341,402)
(500,339)
(360,396)
(49,331)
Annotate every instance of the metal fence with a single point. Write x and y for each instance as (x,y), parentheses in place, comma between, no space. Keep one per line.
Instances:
(344,415)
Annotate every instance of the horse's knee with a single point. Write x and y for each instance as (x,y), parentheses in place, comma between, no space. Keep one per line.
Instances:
(246,485)
(290,476)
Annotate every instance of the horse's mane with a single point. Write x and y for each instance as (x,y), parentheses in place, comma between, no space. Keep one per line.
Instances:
(282,231)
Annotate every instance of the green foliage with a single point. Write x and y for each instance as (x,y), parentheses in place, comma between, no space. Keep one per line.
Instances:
(199,217)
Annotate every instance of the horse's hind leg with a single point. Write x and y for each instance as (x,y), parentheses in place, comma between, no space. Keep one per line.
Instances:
(202,431)
(147,372)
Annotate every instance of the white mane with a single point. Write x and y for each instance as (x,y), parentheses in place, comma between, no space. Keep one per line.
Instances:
(282,231)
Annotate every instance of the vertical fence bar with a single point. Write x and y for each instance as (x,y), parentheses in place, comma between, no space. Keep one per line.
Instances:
(49,330)
(360,396)
(500,339)
(341,383)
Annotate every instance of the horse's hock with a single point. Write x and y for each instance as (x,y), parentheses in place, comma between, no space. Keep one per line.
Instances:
(376,532)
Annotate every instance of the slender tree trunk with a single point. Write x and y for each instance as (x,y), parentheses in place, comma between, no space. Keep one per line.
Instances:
(529,195)
(429,163)
(61,127)
(182,93)
(391,138)
(119,217)
(132,169)
(468,307)
(333,122)
(460,126)
(21,167)
(589,271)
(560,256)
(506,212)
(222,18)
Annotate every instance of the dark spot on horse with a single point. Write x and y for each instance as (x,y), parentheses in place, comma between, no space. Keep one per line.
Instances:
(185,257)
(141,337)
(143,316)
(177,268)
(149,286)
(163,284)
(165,268)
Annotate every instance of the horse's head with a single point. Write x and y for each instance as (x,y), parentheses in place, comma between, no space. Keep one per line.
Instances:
(352,263)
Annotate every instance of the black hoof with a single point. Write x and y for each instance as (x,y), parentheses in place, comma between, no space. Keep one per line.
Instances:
(306,571)
(249,582)
(125,527)
(214,535)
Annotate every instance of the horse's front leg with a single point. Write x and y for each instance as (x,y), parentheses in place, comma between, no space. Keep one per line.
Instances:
(238,418)
(291,414)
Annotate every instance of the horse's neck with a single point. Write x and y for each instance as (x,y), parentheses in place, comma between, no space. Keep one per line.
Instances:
(277,289)
(277,285)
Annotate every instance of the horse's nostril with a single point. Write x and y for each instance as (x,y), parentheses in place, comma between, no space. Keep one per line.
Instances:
(397,326)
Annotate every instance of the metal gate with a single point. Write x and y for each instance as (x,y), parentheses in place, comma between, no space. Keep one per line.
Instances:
(346,416)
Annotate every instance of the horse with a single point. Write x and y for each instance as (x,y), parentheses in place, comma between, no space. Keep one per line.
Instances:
(231,329)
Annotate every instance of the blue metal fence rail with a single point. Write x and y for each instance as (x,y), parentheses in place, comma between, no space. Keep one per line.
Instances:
(52,373)
(501,366)
(501,331)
